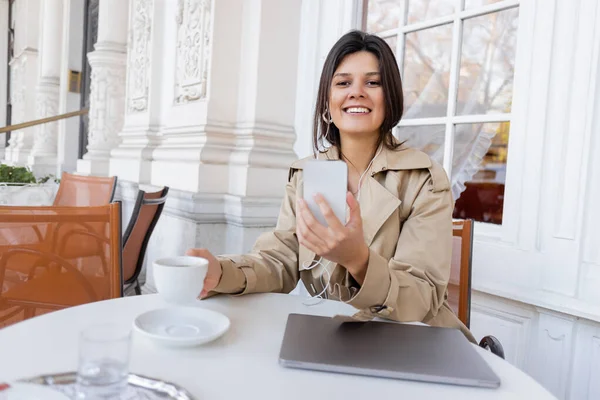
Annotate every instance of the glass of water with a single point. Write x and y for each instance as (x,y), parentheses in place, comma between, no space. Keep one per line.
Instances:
(103,361)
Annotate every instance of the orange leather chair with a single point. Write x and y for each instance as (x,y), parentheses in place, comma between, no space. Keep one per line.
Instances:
(78,190)
(84,191)
(40,267)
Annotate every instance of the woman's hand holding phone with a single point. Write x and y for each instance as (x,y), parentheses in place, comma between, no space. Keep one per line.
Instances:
(338,243)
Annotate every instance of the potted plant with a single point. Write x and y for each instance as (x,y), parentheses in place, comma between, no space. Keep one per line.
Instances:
(19,186)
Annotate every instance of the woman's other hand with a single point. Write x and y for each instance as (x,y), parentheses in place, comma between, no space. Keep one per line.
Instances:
(344,245)
(213,275)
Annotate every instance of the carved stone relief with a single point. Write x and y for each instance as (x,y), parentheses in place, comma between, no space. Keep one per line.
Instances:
(17,97)
(46,104)
(106,106)
(139,55)
(193,50)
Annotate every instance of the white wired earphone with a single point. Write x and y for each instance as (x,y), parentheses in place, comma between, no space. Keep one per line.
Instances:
(313,264)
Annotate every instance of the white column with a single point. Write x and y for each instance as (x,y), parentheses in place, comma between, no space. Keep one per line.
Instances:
(264,133)
(107,95)
(68,129)
(42,158)
(24,78)
(229,128)
(196,144)
(131,160)
(226,97)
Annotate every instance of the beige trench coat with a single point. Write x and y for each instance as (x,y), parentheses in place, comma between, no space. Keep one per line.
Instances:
(406,207)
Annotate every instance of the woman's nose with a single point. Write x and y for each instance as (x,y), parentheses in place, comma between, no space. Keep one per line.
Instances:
(357,91)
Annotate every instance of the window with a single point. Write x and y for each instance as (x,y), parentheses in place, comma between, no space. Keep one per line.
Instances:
(457,63)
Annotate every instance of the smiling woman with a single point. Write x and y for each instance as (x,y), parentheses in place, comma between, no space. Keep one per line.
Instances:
(391,258)
(359,71)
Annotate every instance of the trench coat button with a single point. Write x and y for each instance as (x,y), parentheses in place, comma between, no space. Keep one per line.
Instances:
(383,310)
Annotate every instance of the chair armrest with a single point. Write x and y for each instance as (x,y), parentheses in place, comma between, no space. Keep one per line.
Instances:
(493,344)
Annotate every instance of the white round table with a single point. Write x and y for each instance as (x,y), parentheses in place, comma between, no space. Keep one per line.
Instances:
(241,364)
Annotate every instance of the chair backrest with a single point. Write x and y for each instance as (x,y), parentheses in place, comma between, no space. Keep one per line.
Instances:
(146,212)
(42,267)
(78,190)
(459,286)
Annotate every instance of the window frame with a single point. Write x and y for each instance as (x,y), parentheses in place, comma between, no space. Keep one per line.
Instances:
(508,230)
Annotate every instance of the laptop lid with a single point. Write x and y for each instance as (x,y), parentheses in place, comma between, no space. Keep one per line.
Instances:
(384,349)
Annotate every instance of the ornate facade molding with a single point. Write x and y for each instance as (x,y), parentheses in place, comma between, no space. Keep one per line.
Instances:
(17,95)
(46,105)
(193,50)
(106,103)
(140,36)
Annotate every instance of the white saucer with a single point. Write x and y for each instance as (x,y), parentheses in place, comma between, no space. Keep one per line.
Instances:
(181,326)
(31,391)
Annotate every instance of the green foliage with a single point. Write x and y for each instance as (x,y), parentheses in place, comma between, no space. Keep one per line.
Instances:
(10,174)
(16,174)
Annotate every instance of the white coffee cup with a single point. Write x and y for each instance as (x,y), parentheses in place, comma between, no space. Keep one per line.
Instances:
(180,280)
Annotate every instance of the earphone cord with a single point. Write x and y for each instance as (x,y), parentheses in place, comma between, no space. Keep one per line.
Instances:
(365,172)
(321,295)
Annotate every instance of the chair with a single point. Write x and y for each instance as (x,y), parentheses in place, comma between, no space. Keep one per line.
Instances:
(146,212)
(85,191)
(39,275)
(459,285)
(78,190)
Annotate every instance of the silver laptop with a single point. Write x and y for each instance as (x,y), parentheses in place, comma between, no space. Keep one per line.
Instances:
(384,349)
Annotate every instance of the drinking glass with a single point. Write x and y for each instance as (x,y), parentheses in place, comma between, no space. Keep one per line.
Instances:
(103,361)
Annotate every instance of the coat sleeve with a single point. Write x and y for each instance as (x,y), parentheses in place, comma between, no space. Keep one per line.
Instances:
(272,265)
(412,285)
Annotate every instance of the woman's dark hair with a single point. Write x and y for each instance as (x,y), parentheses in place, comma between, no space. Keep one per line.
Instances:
(352,42)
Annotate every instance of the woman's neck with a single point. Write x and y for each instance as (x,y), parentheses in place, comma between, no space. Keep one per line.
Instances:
(359,152)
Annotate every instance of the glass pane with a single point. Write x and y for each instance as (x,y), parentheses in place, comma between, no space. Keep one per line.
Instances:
(479,3)
(427,138)
(392,41)
(426,72)
(383,15)
(479,170)
(487,63)
(422,10)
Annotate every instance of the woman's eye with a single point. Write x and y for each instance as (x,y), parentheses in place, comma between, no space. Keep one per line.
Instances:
(343,83)
(373,83)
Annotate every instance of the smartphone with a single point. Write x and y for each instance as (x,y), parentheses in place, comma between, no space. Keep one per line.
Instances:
(330,179)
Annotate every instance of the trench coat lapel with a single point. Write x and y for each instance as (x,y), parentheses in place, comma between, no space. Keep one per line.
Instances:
(376,206)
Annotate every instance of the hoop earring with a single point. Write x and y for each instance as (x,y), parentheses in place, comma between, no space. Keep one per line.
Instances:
(327,132)
(328,120)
